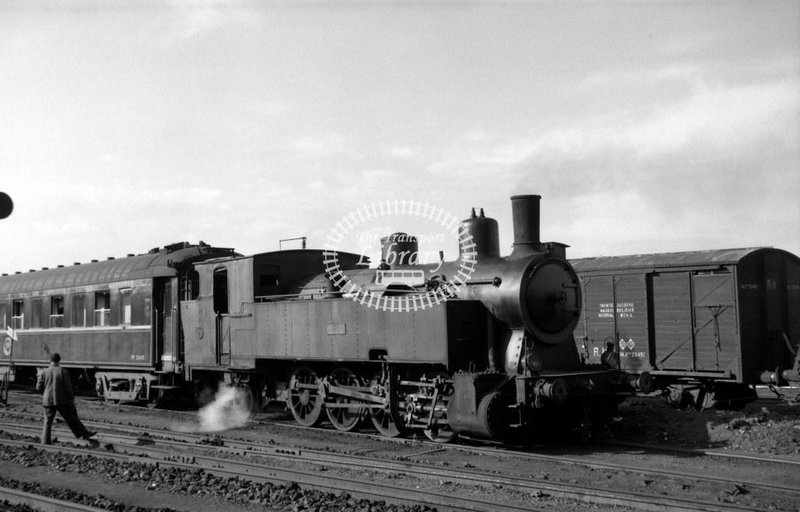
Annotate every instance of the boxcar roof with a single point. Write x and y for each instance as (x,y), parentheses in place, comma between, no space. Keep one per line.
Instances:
(671,259)
(156,263)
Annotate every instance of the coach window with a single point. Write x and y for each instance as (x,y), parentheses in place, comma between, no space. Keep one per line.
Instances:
(36,313)
(57,311)
(78,318)
(2,315)
(18,314)
(102,308)
(125,304)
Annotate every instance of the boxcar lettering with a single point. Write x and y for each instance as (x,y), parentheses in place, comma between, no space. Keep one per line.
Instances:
(624,310)
(632,354)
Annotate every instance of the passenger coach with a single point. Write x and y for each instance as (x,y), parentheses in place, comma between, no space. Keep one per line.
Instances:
(114,321)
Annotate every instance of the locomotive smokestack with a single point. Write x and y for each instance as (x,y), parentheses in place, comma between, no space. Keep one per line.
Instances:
(525,212)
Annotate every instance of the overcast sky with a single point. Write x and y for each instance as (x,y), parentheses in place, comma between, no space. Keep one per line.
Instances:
(645,126)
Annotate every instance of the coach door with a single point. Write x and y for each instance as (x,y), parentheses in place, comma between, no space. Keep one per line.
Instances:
(166,324)
(716,338)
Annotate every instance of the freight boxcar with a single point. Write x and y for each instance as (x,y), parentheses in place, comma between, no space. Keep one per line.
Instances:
(721,324)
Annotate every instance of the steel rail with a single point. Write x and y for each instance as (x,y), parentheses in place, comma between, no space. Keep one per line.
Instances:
(510,451)
(702,452)
(366,462)
(43,503)
(266,473)
(587,494)
(516,452)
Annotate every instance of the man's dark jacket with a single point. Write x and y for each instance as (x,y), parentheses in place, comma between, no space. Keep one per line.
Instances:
(55,386)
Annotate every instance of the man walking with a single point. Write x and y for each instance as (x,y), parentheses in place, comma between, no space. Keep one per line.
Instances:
(55,385)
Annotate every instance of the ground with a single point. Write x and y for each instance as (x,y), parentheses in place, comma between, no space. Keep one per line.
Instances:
(767,428)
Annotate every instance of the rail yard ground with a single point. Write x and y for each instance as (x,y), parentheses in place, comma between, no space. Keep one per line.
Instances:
(763,428)
(770,429)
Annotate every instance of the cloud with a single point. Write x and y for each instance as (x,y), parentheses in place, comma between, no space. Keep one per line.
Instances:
(709,123)
(199,18)
(687,44)
(322,145)
(681,72)
(403,152)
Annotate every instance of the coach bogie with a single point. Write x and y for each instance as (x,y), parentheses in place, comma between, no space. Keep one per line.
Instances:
(124,386)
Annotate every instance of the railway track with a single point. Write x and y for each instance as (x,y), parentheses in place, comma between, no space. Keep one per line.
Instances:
(700,452)
(41,503)
(422,448)
(423,460)
(261,472)
(164,449)
(482,446)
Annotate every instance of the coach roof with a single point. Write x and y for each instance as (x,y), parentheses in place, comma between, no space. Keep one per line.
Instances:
(156,263)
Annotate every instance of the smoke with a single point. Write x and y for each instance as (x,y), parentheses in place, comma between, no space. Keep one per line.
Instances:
(229,409)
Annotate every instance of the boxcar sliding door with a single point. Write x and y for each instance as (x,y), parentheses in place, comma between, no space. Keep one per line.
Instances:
(716,333)
(672,321)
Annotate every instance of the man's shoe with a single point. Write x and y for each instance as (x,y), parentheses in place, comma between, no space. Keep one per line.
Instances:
(89,434)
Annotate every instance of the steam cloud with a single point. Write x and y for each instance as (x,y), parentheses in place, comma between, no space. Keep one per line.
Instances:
(229,409)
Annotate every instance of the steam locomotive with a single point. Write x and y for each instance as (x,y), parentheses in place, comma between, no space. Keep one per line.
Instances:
(487,353)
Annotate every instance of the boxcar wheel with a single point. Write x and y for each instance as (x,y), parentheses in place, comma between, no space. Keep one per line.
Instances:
(304,399)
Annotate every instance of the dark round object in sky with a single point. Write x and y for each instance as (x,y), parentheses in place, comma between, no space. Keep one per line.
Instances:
(6,205)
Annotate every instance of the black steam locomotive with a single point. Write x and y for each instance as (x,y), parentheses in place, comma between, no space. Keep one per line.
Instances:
(482,346)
